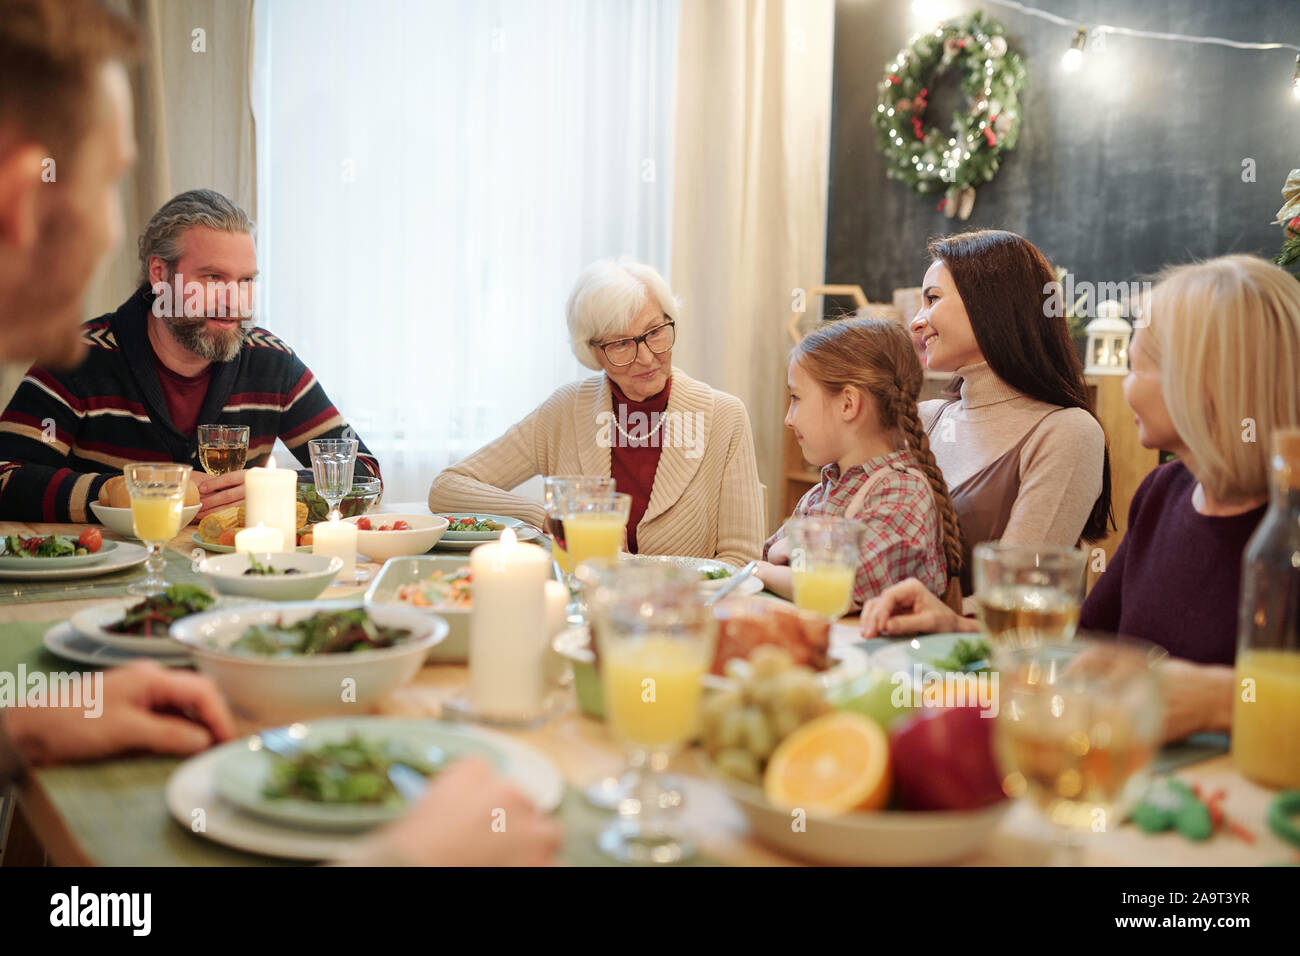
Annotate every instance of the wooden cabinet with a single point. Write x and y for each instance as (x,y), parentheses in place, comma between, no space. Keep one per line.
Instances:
(1129,461)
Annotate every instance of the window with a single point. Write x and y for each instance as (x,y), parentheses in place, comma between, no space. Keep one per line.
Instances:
(432,177)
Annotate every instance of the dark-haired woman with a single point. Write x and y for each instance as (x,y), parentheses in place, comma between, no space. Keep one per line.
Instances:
(1023,454)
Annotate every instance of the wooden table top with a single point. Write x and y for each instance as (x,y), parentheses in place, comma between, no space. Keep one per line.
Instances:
(583,750)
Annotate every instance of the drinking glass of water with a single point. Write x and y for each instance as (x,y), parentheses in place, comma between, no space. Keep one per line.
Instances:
(332,462)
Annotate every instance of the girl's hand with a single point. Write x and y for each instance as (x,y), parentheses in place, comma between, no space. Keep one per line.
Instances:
(908,607)
(779,553)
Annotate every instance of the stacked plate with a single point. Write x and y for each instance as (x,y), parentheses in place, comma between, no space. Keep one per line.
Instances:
(86,638)
(453,540)
(112,556)
(228,785)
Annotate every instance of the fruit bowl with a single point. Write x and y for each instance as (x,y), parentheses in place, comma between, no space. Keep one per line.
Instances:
(363,497)
(422,533)
(881,838)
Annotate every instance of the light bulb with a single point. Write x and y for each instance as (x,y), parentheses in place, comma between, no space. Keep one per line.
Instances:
(1074,56)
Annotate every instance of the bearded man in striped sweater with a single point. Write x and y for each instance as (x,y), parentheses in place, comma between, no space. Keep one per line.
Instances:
(175,355)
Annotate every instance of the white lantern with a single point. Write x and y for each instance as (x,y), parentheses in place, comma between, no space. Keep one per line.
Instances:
(1108,336)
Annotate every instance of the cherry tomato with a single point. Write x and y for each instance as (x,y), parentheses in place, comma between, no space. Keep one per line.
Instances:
(384,527)
(363,524)
(401,526)
(91,539)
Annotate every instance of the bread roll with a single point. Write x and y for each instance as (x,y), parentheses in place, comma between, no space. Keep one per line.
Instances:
(113,493)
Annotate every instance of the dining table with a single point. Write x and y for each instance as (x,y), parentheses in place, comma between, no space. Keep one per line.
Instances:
(112,812)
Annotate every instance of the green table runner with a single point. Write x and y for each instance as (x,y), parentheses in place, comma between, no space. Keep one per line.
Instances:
(115,810)
(177,570)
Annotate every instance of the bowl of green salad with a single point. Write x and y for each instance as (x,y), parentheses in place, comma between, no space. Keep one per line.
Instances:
(298,660)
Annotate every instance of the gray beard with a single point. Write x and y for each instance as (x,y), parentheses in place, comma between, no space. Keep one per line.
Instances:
(193,335)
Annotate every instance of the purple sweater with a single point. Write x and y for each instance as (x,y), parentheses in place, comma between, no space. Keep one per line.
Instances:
(1176,577)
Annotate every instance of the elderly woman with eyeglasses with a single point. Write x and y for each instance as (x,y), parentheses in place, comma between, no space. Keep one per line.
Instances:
(681,449)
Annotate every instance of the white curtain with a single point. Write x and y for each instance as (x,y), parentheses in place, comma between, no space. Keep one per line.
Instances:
(751,170)
(432,176)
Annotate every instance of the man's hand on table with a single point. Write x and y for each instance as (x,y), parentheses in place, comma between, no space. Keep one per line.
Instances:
(220,491)
(471,816)
(145,707)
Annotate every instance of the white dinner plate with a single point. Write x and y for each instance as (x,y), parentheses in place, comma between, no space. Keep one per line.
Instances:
(477,537)
(13,562)
(192,788)
(523,532)
(125,555)
(65,641)
(93,623)
(751,584)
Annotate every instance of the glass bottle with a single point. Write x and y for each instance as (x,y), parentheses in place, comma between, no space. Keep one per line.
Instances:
(1266,708)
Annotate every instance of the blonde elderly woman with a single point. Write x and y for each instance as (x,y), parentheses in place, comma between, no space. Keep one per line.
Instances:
(681,449)
(1222,347)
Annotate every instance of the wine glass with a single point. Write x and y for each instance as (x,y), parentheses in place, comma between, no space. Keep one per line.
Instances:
(1027,594)
(656,641)
(595,525)
(1077,726)
(558,490)
(157,493)
(332,463)
(222,448)
(825,553)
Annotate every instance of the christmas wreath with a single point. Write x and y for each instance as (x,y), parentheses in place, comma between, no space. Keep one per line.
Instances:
(1288,217)
(927,158)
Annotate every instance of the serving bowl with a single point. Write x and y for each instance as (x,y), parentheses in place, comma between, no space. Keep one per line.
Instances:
(880,838)
(225,572)
(119,519)
(361,500)
(399,572)
(286,689)
(380,546)
(574,645)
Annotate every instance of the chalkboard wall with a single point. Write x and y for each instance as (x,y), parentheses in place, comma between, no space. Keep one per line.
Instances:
(1123,167)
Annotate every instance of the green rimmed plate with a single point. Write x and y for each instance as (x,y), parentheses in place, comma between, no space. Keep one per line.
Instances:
(476,536)
(241,775)
(227,549)
(11,562)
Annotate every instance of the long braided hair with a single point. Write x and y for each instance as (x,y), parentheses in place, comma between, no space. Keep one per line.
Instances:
(876,357)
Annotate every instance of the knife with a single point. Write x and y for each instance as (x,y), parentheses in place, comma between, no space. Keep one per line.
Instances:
(731,585)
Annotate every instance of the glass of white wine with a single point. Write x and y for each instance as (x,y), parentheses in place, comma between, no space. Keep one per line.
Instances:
(1027,594)
(222,448)
(157,499)
(1077,726)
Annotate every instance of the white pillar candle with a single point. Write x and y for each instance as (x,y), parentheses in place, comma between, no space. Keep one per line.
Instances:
(335,537)
(269,499)
(507,628)
(259,539)
(557,601)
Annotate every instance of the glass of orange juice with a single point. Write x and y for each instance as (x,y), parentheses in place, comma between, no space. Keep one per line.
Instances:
(157,499)
(824,556)
(656,640)
(559,490)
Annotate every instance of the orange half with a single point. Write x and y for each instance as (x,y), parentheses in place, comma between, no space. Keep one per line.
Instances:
(833,764)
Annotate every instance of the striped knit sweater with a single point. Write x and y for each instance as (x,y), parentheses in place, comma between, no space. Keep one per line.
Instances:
(65,433)
(706,500)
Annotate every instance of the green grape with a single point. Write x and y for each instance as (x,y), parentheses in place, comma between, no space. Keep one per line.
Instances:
(731,729)
(758,737)
(739,765)
(768,661)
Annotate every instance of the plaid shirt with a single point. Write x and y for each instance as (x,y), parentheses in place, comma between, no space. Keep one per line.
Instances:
(904,537)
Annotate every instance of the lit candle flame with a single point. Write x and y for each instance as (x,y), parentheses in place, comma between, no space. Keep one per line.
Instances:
(335,516)
(508,539)
(270,464)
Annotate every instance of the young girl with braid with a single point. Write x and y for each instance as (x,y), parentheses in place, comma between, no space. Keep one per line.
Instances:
(853,390)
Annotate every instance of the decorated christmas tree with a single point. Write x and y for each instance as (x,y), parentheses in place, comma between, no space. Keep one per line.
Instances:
(1288,217)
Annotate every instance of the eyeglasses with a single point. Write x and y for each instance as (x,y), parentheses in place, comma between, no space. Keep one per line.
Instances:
(623,351)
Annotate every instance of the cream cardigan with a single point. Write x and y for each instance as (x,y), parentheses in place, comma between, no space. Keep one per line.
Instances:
(706,500)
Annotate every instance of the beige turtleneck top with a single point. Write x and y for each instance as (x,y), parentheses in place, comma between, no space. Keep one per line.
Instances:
(1060,463)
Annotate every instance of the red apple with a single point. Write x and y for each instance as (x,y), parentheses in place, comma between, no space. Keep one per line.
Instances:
(943,760)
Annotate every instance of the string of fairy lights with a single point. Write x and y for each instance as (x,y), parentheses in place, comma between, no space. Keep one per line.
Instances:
(1095,33)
